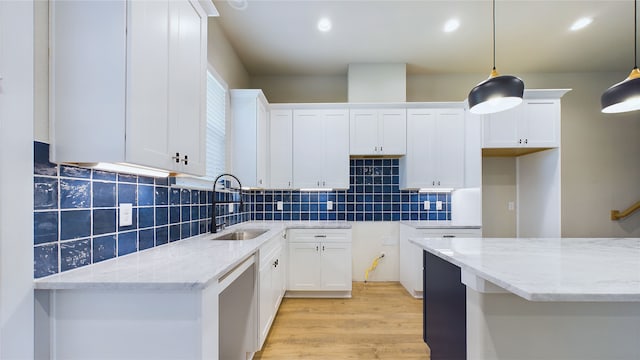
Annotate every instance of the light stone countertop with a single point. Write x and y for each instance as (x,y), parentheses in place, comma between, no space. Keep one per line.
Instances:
(191,263)
(551,269)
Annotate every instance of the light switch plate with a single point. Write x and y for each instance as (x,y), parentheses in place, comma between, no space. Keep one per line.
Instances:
(126,214)
(230,207)
(279,205)
(438,205)
(329,205)
(427,205)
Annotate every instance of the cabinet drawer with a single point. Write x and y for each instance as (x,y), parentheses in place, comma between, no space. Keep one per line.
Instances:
(320,235)
(449,233)
(270,247)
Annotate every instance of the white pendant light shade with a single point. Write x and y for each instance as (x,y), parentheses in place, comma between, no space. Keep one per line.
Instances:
(625,95)
(497,93)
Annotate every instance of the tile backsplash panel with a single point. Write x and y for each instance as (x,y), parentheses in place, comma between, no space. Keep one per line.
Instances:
(373,195)
(76,214)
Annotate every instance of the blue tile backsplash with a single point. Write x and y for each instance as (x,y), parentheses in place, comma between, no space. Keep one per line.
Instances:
(373,195)
(76,209)
(76,214)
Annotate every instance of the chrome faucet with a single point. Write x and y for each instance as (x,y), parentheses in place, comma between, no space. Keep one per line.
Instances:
(214,226)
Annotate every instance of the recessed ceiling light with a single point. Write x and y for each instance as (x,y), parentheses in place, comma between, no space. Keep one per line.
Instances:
(238,4)
(324,25)
(451,25)
(581,23)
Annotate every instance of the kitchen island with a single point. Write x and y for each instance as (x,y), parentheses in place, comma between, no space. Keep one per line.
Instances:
(191,299)
(519,298)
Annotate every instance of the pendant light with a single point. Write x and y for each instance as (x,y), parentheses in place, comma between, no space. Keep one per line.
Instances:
(625,95)
(498,92)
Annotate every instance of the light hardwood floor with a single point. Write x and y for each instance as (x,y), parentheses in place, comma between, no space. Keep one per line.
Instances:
(380,321)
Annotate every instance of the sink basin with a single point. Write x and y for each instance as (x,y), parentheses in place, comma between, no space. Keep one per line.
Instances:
(241,234)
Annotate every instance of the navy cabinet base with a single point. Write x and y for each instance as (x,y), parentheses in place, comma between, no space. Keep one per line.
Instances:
(444,309)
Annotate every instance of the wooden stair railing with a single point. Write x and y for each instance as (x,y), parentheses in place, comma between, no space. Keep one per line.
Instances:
(617,214)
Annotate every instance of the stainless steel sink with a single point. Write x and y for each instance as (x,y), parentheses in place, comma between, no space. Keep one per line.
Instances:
(241,234)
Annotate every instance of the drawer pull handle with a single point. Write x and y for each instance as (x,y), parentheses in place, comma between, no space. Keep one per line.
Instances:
(320,236)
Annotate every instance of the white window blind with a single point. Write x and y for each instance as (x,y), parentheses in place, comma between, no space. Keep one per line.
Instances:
(216,121)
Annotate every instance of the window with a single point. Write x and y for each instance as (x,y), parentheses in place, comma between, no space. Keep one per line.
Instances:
(216,125)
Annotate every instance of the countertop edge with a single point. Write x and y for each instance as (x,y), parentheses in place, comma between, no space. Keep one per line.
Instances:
(52,282)
(527,295)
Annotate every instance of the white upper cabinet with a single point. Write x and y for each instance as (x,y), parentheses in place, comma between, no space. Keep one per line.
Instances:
(377,131)
(250,137)
(281,145)
(128,83)
(533,124)
(435,149)
(321,148)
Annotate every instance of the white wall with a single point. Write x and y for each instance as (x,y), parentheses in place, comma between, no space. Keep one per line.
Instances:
(498,189)
(16,185)
(302,89)
(538,194)
(377,83)
(369,240)
(223,58)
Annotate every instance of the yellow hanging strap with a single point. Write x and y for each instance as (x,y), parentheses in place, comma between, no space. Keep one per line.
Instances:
(372,267)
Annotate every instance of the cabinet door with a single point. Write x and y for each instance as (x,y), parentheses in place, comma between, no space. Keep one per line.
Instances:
(308,148)
(304,266)
(88,51)
(417,168)
(278,281)
(392,131)
(250,136)
(187,85)
(501,129)
(336,149)
(363,132)
(450,148)
(262,139)
(147,125)
(540,124)
(265,298)
(281,149)
(336,266)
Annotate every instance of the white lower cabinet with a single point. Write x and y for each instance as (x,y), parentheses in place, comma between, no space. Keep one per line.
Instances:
(272,284)
(320,263)
(411,255)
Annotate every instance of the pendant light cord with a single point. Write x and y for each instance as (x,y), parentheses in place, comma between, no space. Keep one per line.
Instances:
(494,34)
(635,34)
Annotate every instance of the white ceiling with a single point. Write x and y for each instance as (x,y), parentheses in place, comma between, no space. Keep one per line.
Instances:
(281,38)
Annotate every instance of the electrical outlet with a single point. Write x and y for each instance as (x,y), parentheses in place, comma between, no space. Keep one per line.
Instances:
(511,205)
(126,214)
(230,207)
(438,205)
(279,206)
(427,205)
(329,205)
